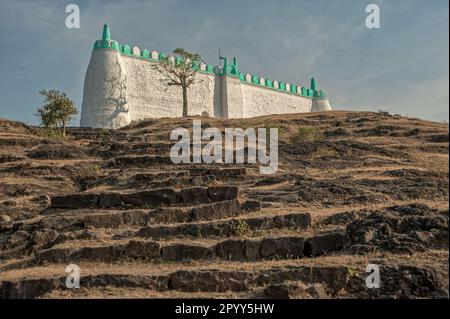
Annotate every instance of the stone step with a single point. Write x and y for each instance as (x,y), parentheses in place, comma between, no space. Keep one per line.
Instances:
(8,158)
(266,248)
(65,220)
(227,228)
(217,210)
(151,160)
(194,172)
(177,182)
(21,239)
(112,292)
(19,141)
(208,280)
(103,135)
(195,176)
(163,197)
(112,149)
(139,161)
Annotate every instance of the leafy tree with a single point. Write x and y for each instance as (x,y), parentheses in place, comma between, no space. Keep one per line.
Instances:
(57,111)
(180,71)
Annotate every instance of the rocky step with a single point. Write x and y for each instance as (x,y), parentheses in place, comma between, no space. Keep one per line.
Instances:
(177,182)
(177,179)
(19,141)
(58,226)
(107,149)
(139,161)
(61,223)
(227,228)
(202,280)
(8,158)
(194,172)
(112,292)
(150,160)
(24,241)
(285,290)
(30,169)
(197,176)
(217,210)
(147,198)
(279,281)
(110,149)
(98,218)
(290,247)
(103,135)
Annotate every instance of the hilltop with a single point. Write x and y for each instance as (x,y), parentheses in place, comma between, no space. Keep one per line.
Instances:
(352,189)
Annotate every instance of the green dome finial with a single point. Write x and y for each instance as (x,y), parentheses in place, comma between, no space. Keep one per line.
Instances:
(106,34)
(313,84)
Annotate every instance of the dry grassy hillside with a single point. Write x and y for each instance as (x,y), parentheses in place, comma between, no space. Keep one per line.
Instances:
(352,189)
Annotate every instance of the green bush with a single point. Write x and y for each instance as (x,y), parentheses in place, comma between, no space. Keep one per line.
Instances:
(306,134)
(240,227)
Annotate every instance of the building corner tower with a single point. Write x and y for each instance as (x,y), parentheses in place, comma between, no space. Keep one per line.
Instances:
(320,101)
(105,87)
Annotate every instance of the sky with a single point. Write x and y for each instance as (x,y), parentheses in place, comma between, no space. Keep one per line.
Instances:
(402,67)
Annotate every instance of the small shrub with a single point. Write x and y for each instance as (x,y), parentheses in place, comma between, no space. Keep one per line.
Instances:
(240,227)
(306,134)
(88,172)
(52,133)
(87,176)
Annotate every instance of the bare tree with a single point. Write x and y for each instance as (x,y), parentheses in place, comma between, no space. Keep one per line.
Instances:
(180,71)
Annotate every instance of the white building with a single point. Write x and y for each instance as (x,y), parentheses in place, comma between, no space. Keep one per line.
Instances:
(121,86)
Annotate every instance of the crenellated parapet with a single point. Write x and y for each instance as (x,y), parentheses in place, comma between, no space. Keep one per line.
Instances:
(228,69)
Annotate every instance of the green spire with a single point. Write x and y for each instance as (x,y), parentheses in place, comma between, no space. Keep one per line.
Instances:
(313,84)
(106,34)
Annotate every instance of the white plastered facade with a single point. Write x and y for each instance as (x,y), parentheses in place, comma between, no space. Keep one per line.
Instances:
(119,89)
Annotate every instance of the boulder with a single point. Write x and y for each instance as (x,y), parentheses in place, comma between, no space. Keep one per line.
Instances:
(282,247)
(251,206)
(142,250)
(177,252)
(239,249)
(109,200)
(54,255)
(194,196)
(42,238)
(5,219)
(135,217)
(210,280)
(104,220)
(221,193)
(293,221)
(231,250)
(216,210)
(81,200)
(152,198)
(251,249)
(295,290)
(321,244)
(109,253)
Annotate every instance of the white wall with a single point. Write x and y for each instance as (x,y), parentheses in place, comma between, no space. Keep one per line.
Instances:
(119,89)
(148,96)
(265,101)
(320,105)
